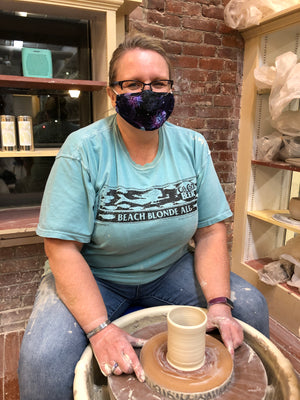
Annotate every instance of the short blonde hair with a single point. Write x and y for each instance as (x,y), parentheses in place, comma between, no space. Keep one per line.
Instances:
(136,41)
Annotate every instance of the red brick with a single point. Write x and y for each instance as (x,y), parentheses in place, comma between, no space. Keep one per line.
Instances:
(211,64)
(216,123)
(228,52)
(232,41)
(137,14)
(185,111)
(230,65)
(227,156)
(228,77)
(172,47)
(30,250)
(191,9)
(197,88)
(184,61)
(19,277)
(14,265)
(13,327)
(213,12)
(17,315)
(2,389)
(184,35)
(150,30)
(165,20)
(199,24)
(12,350)
(223,101)
(199,50)
(210,38)
(212,112)
(8,304)
(24,289)
(156,4)
(196,75)
(7,253)
(175,7)
(2,369)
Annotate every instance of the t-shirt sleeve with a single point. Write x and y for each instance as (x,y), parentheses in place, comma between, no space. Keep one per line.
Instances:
(67,210)
(212,204)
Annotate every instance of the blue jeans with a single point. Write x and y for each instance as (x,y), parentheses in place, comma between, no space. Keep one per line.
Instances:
(53,341)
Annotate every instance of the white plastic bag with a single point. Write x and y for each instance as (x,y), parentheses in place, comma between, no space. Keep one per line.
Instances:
(283,79)
(268,146)
(291,147)
(239,14)
(264,77)
(288,123)
(286,86)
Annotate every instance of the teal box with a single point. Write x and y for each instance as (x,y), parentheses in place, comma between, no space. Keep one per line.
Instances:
(37,62)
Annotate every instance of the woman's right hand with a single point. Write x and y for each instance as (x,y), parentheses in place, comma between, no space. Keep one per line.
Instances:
(113,345)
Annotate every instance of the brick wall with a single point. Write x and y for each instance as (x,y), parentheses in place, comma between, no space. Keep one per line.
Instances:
(207,61)
(20,273)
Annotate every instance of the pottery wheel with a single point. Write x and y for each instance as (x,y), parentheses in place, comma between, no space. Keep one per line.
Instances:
(213,376)
(248,379)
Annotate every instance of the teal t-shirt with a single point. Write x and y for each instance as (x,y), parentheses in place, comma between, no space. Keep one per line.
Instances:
(135,221)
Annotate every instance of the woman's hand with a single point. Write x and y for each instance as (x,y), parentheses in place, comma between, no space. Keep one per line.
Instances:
(219,316)
(114,353)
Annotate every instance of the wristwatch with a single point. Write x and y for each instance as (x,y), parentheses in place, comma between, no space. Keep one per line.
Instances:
(220,300)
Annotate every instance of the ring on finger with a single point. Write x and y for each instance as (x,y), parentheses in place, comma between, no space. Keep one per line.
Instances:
(114,367)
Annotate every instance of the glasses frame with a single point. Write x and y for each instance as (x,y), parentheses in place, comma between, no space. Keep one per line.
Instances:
(120,83)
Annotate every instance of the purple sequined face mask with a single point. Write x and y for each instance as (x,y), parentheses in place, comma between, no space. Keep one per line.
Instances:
(145,110)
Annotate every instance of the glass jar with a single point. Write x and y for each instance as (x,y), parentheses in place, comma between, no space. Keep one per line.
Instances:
(25,132)
(8,132)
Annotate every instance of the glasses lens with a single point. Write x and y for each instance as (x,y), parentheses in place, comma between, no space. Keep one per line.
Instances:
(132,86)
(161,86)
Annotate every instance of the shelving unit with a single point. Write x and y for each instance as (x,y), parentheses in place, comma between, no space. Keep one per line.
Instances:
(264,188)
(24,82)
(107,21)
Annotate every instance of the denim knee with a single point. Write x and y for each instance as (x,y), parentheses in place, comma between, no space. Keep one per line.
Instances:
(250,305)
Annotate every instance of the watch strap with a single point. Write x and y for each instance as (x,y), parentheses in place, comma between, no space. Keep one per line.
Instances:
(220,300)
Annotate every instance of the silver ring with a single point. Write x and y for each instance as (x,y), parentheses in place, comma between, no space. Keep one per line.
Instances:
(114,367)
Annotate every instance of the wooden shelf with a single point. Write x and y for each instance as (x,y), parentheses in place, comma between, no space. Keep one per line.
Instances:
(260,263)
(23,82)
(19,220)
(267,216)
(278,165)
(41,152)
(283,300)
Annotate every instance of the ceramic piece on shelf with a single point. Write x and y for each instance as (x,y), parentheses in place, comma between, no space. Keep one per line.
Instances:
(294,208)
(186,337)
(286,219)
(293,161)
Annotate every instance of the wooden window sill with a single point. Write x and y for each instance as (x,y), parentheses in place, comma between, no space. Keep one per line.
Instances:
(18,225)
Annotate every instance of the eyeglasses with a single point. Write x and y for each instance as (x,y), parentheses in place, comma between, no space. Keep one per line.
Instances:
(130,86)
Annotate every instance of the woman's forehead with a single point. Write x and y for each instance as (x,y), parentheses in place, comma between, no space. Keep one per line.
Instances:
(138,58)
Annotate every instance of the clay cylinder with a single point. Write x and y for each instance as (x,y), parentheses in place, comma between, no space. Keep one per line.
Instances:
(186,338)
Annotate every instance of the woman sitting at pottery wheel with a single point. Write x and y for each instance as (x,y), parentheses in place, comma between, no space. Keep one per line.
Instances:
(125,196)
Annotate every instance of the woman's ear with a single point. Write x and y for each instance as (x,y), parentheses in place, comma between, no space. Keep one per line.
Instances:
(112,95)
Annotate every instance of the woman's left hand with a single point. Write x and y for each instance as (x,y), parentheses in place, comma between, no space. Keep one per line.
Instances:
(219,316)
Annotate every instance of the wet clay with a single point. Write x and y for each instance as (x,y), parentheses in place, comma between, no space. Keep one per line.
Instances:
(212,377)
(186,338)
(248,380)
